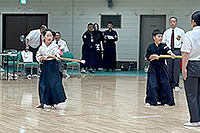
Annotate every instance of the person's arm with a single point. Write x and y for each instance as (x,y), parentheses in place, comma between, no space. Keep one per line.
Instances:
(62,46)
(27,47)
(39,56)
(101,36)
(56,51)
(185,58)
(116,36)
(66,47)
(164,38)
(149,54)
(172,54)
(185,51)
(86,40)
(168,51)
(28,37)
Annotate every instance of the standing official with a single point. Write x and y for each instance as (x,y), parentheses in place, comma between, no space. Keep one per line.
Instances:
(98,38)
(33,41)
(173,38)
(88,50)
(191,69)
(110,37)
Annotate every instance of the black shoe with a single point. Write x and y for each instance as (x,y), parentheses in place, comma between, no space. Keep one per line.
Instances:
(83,71)
(91,71)
(107,70)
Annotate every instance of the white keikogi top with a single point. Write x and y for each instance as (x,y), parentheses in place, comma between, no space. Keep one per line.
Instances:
(178,34)
(51,50)
(34,38)
(191,43)
(62,45)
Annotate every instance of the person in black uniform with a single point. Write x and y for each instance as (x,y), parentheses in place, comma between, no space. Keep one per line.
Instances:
(110,37)
(88,50)
(159,88)
(98,37)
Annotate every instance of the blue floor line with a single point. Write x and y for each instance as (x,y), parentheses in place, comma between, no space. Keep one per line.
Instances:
(139,73)
(117,73)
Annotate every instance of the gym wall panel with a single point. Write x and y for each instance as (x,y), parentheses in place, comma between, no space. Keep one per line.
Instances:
(70,17)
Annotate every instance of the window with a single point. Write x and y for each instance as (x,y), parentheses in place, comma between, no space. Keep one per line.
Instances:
(116,19)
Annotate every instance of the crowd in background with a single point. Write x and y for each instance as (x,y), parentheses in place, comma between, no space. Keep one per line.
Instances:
(35,39)
(99,48)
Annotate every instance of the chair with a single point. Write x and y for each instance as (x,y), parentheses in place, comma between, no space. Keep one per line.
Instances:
(19,61)
(28,64)
(70,65)
(10,60)
(32,65)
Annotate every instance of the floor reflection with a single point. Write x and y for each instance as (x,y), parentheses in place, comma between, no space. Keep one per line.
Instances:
(95,104)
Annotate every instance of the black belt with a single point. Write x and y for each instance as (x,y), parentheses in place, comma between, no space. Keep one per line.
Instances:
(176,48)
(194,60)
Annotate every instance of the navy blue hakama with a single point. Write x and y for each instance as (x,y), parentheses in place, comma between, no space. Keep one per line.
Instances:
(159,88)
(51,90)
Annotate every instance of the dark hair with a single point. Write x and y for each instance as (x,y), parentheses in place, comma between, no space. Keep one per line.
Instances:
(155,32)
(54,33)
(43,27)
(90,24)
(96,24)
(196,17)
(45,31)
(58,32)
(173,17)
(110,22)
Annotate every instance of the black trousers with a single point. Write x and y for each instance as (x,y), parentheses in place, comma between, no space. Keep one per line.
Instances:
(192,89)
(173,66)
(109,56)
(158,85)
(34,50)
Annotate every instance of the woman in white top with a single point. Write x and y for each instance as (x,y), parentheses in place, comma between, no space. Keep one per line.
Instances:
(191,69)
(51,90)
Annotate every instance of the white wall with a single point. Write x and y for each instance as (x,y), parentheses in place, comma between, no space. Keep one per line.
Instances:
(70,17)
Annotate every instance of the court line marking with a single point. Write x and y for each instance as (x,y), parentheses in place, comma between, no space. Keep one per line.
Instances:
(154,116)
(193,128)
(70,115)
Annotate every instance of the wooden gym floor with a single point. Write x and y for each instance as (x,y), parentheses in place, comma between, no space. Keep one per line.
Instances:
(96,104)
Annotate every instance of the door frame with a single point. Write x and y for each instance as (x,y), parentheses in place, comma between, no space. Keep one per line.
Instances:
(25,13)
(139,29)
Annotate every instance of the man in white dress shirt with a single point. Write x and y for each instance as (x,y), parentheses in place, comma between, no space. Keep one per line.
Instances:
(63,47)
(61,43)
(191,69)
(33,42)
(173,38)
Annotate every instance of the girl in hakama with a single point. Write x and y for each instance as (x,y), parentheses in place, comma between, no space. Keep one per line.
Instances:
(51,90)
(159,88)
